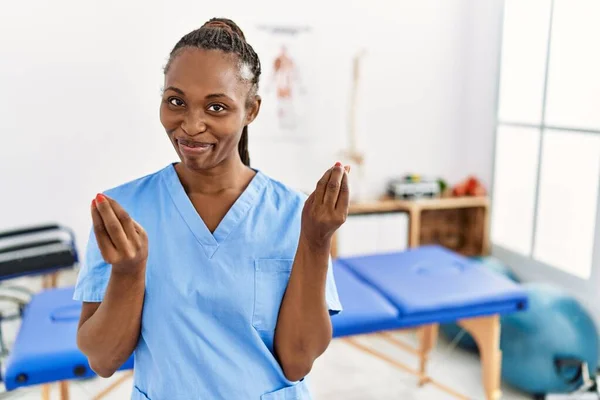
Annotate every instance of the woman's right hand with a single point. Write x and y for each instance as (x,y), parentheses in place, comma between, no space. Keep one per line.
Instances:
(122,241)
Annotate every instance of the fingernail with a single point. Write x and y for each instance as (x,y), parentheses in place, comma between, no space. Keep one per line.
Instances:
(93,203)
(100,198)
(347,168)
(338,164)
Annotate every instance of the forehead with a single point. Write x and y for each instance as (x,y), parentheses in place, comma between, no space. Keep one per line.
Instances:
(200,72)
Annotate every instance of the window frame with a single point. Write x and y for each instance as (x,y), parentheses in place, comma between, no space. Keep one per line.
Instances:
(526,267)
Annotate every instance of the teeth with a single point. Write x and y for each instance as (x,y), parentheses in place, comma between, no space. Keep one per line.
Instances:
(191,144)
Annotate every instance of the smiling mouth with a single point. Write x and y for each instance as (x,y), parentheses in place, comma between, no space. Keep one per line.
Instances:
(190,143)
(189,146)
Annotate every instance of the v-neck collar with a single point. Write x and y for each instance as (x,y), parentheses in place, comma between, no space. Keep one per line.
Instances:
(210,241)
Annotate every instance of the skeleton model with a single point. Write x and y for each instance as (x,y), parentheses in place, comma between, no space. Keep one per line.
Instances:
(353,156)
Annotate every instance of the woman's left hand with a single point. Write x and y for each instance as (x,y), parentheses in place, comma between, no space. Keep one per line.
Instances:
(326,208)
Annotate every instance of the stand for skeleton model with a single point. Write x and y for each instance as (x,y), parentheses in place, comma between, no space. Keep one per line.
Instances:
(351,155)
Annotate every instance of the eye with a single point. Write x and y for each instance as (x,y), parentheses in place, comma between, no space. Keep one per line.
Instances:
(177,102)
(216,107)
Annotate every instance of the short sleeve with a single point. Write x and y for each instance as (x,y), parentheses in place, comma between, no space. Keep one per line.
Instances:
(331,294)
(94,274)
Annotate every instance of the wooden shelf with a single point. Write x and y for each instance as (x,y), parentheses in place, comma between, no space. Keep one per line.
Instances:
(459,223)
(414,205)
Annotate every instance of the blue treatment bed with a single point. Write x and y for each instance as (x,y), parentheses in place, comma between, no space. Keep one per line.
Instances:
(425,285)
(419,288)
(422,288)
(46,346)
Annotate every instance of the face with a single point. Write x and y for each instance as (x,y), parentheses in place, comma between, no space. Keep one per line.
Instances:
(205,107)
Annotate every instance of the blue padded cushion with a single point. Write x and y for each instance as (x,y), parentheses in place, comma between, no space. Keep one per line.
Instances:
(46,346)
(365,310)
(432,284)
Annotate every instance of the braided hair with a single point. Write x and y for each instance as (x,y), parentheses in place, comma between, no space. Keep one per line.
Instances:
(223,34)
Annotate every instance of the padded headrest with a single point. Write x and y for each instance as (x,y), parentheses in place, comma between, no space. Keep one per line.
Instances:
(36,249)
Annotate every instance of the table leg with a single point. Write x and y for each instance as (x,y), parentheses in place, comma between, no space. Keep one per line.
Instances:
(50,281)
(427,339)
(46,392)
(414,227)
(486,231)
(385,357)
(64,390)
(54,280)
(486,333)
(126,376)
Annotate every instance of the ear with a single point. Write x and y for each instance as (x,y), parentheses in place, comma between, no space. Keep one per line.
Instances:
(253,109)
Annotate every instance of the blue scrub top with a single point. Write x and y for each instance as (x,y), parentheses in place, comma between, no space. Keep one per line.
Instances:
(212,299)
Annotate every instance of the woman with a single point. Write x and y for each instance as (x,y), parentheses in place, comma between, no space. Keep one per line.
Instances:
(216,276)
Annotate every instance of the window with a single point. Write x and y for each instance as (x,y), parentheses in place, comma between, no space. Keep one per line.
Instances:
(567,199)
(514,191)
(547,152)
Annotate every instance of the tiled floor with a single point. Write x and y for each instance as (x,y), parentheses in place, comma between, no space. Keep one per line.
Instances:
(349,374)
(342,373)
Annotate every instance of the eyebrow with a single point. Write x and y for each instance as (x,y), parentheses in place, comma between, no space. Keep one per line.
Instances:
(210,96)
(173,88)
(217,95)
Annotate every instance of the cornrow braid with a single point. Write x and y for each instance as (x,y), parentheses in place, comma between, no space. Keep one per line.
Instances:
(223,34)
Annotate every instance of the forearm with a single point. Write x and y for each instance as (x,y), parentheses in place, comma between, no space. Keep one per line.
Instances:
(110,335)
(303,329)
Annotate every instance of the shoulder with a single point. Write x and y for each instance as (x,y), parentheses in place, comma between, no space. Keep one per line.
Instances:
(281,195)
(279,215)
(131,191)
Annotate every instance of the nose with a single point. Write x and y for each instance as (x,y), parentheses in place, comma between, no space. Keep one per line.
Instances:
(194,124)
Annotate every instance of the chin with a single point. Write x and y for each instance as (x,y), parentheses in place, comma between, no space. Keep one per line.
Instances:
(196,164)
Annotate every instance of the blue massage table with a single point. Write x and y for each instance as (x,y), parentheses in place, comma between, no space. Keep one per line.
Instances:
(419,288)
(45,350)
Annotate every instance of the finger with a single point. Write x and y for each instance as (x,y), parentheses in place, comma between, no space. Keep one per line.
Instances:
(322,186)
(333,186)
(310,198)
(139,229)
(142,238)
(344,197)
(105,245)
(124,218)
(347,168)
(111,222)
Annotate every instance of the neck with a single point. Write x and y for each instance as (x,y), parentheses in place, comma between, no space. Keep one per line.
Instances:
(231,174)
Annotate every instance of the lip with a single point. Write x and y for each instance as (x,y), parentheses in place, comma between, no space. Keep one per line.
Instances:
(193,147)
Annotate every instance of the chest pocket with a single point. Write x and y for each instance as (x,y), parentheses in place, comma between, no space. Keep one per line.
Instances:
(297,392)
(271,277)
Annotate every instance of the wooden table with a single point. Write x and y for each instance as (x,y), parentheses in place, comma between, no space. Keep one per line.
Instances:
(425,209)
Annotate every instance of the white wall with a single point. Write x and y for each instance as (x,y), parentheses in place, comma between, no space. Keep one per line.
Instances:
(483,35)
(81,84)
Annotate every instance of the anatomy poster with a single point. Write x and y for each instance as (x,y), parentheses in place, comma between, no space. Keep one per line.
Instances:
(285,57)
